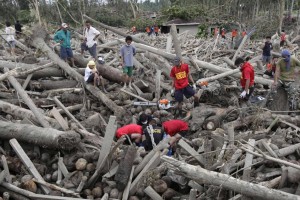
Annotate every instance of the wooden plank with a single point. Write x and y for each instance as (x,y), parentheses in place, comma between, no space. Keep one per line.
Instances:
(136,96)
(248,160)
(111,172)
(60,119)
(68,112)
(8,177)
(27,162)
(152,193)
(191,151)
(28,78)
(157,84)
(108,139)
(138,90)
(126,191)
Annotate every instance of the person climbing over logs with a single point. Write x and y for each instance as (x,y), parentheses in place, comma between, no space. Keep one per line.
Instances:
(180,74)
(247,78)
(287,70)
(63,36)
(152,134)
(132,132)
(91,75)
(176,129)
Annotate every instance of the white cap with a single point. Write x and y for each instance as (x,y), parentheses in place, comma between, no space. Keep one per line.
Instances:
(64,25)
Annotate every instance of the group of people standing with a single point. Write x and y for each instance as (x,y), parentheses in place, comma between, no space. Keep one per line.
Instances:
(222,32)
(152,30)
(11,33)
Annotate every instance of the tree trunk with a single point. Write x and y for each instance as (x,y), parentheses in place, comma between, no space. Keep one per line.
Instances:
(45,137)
(39,116)
(228,182)
(134,38)
(50,85)
(281,14)
(176,42)
(23,113)
(40,44)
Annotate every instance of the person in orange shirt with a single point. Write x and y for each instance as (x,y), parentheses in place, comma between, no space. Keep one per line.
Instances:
(223,33)
(148,30)
(156,30)
(244,33)
(233,34)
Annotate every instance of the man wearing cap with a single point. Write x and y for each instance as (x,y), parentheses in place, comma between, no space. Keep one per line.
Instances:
(90,41)
(91,75)
(247,78)
(287,68)
(63,36)
(180,74)
(152,134)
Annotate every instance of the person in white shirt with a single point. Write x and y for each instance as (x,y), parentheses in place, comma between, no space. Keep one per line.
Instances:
(10,37)
(90,41)
(91,75)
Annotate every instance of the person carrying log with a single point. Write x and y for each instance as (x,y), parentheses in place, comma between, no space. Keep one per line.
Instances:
(180,74)
(266,55)
(247,78)
(63,36)
(133,132)
(287,70)
(91,75)
(90,41)
(176,129)
(10,37)
(127,52)
(152,134)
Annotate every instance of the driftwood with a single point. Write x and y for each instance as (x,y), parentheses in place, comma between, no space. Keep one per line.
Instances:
(243,187)
(46,137)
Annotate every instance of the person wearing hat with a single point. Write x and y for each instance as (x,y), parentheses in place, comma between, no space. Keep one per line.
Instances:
(180,74)
(287,68)
(90,42)
(152,134)
(91,75)
(144,120)
(247,78)
(63,36)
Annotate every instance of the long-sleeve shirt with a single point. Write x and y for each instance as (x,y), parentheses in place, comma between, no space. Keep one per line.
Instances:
(64,36)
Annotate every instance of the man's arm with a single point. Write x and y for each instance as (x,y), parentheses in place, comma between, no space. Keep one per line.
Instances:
(57,37)
(96,33)
(191,78)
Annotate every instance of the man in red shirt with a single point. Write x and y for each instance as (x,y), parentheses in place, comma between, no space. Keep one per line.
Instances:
(134,131)
(247,78)
(176,129)
(180,74)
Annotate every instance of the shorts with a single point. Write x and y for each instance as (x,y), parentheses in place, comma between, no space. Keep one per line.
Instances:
(66,53)
(92,50)
(188,92)
(12,44)
(128,70)
(266,59)
(91,78)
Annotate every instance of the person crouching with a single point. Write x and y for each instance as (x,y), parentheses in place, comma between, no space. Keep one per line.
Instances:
(91,75)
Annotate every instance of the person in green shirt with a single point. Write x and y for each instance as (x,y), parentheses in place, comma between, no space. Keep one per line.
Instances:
(287,70)
(63,36)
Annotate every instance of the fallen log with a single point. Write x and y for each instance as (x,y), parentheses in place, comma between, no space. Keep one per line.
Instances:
(39,43)
(44,137)
(39,116)
(228,182)
(51,85)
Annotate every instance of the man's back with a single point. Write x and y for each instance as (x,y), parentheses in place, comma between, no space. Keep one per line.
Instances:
(287,73)
(18,27)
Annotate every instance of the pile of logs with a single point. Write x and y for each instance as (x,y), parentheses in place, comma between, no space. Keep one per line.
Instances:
(57,132)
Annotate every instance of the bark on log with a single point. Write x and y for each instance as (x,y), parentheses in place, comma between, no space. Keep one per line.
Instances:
(39,43)
(23,113)
(44,137)
(228,182)
(51,85)
(134,38)
(39,116)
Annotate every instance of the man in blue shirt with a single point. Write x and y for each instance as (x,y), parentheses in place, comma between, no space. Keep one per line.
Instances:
(63,36)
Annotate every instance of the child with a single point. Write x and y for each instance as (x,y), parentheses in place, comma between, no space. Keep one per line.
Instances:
(91,75)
